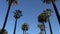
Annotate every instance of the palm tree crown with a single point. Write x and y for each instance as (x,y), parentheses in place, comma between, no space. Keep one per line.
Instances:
(42,18)
(17,14)
(4,31)
(48,12)
(25,27)
(42,27)
(13,1)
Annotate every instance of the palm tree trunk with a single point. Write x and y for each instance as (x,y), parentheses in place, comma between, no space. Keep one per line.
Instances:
(15,27)
(6,18)
(56,11)
(45,28)
(23,31)
(50,26)
(45,31)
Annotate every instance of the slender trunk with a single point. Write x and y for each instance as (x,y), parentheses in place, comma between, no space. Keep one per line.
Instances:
(6,18)
(23,31)
(56,11)
(15,27)
(45,31)
(50,26)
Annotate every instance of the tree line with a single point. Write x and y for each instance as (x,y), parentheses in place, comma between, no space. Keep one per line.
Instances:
(42,18)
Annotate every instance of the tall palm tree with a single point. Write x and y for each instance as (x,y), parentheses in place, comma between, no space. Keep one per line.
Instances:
(48,14)
(55,8)
(17,15)
(25,27)
(44,18)
(9,6)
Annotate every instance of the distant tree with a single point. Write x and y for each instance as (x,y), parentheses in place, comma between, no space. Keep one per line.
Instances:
(9,6)
(25,27)
(41,27)
(44,17)
(17,15)
(55,8)
(48,14)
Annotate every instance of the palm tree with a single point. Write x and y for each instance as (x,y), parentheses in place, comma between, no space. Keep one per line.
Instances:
(25,27)
(55,8)
(9,6)
(42,27)
(42,20)
(48,14)
(44,17)
(17,15)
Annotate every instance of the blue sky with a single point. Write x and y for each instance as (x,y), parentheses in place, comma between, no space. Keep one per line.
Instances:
(30,10)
